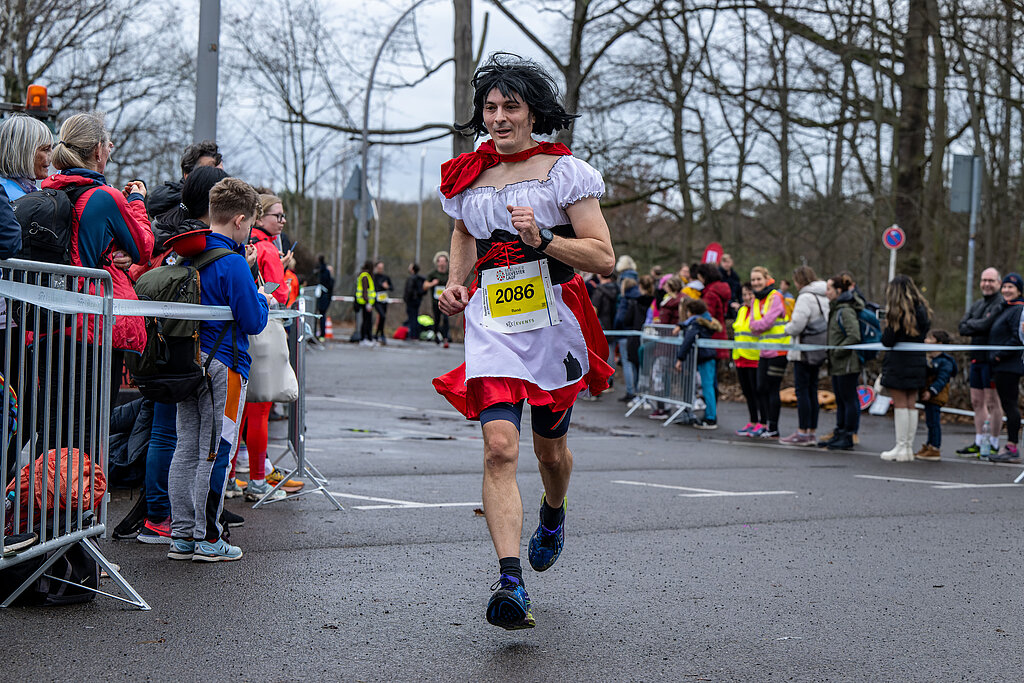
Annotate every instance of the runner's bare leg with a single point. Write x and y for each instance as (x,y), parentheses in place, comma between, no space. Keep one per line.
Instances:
(554,460)
(503,506)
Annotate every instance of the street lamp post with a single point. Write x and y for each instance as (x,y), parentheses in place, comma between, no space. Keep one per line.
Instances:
(205,126)
(364,195)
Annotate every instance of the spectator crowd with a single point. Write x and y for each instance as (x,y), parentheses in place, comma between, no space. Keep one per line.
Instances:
(233,237)
(767,316)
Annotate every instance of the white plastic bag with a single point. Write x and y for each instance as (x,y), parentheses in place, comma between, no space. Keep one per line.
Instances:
(271,377)
(880,406)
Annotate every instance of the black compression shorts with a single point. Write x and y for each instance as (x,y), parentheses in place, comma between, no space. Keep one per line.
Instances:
(546,424)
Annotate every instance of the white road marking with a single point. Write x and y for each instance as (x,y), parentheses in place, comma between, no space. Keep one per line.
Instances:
(393,504)
(418,505)
(393,406)
(704,493)
(940,484)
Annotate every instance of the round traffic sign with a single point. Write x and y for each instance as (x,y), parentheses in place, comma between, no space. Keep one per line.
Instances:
(894,237)
(865,396)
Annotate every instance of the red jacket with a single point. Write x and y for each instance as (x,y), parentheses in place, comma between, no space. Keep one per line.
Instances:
(103,222)
(268,260)
(716,297)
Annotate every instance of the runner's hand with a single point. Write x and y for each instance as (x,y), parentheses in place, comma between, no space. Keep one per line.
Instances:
(525,225)
(454,300)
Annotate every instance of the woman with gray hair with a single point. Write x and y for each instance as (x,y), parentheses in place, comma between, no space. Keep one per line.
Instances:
(26,145)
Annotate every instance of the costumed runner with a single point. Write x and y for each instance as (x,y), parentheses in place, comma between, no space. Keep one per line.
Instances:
(526,214)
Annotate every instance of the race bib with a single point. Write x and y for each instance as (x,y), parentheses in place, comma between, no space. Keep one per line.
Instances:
(518,298)
(438,291)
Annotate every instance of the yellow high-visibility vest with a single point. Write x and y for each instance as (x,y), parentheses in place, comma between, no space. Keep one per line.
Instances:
(366,293)
(776,334)
(741,333)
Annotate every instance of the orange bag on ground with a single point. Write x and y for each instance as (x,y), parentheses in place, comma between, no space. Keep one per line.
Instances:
(91,488)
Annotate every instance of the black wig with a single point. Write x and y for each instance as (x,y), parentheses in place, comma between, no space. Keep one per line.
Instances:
(516,77)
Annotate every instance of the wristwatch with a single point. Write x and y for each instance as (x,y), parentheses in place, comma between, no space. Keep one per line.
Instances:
(545,239)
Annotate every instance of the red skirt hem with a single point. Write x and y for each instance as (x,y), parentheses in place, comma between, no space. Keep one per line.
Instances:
(472,396)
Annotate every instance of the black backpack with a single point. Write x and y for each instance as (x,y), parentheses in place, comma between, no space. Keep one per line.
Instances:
(74,577)
(170,369)
(46,219)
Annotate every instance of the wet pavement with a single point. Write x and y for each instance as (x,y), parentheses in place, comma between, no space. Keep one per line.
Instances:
(690,556)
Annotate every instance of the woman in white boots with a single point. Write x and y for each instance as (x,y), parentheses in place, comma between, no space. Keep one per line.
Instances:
(904,373)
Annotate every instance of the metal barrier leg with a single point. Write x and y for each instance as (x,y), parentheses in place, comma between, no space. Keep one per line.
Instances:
(638,401)
(136,599)
(59,553)
(297,425)
(679,411)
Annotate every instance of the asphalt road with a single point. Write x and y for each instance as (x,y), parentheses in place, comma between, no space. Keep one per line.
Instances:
(690,556)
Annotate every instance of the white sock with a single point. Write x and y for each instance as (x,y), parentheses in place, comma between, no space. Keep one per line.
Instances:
(994,440)
(243,456)
(269,466)
(979,439)
(258,482)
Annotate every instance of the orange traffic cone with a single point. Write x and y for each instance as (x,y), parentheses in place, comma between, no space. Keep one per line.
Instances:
(328,329)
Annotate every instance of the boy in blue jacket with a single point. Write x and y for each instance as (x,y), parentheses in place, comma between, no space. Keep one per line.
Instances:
(197,478)
(698,323)
(941,369)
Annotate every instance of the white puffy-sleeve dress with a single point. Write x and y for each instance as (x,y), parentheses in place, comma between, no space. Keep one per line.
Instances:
(548,366)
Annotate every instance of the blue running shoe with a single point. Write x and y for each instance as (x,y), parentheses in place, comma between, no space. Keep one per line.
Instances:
(181,549)
(221,551)
(509,606)
(546,544)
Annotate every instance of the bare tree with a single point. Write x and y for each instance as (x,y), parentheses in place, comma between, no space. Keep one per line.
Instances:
(112,56)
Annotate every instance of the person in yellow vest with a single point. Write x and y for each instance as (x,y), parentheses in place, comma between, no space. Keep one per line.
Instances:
(366,297)
(768,322)
(746,361)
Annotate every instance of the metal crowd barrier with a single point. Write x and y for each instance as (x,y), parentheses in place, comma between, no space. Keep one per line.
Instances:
(300,334)
(657,378)
(62,383)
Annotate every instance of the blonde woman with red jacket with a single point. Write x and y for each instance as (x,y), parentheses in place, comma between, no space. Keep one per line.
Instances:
(110,230)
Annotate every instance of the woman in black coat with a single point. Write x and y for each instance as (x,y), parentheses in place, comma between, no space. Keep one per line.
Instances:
(1007,366)
(904,373)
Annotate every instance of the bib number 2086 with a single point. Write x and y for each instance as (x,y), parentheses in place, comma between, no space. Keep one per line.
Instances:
(505,295)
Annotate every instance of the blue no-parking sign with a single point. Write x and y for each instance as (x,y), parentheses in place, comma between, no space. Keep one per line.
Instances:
(894,237)
(865,396)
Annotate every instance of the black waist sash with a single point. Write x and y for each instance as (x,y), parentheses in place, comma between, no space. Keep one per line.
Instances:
(503,249)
